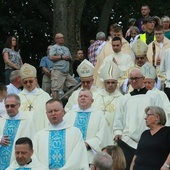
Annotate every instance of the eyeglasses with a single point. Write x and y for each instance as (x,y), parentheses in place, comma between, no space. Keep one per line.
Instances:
(10,105)
(149,114)
(60,38)
(135,78)
(140,58)
(158,33)
(28,81)
(86,82)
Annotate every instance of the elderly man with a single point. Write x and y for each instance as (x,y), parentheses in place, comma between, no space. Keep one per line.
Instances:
(160,45)
(12,126)
(23,155)
(85,71)
(108,99)
(15,82)
(32,98)
(129,121)
(62,147)
(102,161)
(61,58)
(150,79)
(115,31)
(91,122)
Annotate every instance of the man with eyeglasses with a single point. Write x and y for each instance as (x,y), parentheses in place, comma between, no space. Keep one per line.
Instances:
(129,121)
(85,71)
(161,44)
(61,58)
(13,126)
(33,99)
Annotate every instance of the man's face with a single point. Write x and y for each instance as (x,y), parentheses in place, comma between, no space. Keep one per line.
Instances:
(80,54)
(116,46)
(133,33)
(85,100)
(145,11)
(59,39)
(110,85)
(140,60)
(159,36)
(150,25)
(12,106)
(149,83)
(55,112)
(29,83)
(87,83)
(23,154)
(136,79)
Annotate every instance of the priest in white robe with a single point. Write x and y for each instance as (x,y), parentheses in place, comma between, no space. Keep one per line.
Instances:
(129,121)
(12,126)
(60,146)
(24,156)
(85,71)
(33,99)
(92,124)
(108,99)
(150,79)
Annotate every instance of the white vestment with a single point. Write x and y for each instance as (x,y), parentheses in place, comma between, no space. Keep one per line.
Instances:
(34,165)
(25,129)
(97,133)
(75,151)
(2,109)
(33,105)
(72,101)
(108,104)
(129,121)
(12,89)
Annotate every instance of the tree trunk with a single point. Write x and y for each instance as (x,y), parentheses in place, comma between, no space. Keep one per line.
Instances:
(105,16)
(67,18)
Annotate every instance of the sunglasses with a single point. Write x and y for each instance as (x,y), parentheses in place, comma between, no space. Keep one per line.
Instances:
(10,105)
(28,81)
(140,58)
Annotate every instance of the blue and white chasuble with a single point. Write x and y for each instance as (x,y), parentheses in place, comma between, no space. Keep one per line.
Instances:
(82,121)
(10,130)
(57,146)
(23,169)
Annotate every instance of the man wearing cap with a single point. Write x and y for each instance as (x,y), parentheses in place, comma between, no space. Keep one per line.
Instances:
(85,71)
(129,121)
(61,58)
(91,123)
(115,31)
(13,126)
(149,24)
(150,79)
(160,44)
(108,99)
(33,99)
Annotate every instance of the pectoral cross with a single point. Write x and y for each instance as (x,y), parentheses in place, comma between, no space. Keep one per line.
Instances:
(30,107)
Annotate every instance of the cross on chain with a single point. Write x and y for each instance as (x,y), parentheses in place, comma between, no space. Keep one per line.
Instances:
(30,107)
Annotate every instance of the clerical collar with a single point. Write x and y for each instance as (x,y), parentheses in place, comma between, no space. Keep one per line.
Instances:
(58,126)
(16,117)
(32,92)
(86,110)
(139,91)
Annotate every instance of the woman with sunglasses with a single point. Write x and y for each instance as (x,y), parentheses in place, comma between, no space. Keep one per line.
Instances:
(12,58)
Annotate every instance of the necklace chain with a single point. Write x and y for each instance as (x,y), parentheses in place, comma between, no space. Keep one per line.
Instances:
(30,103)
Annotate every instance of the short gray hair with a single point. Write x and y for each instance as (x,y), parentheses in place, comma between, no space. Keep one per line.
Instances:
(18,101)
(158,111)
(100,36)
(136,29)
(103,161)
(14,74)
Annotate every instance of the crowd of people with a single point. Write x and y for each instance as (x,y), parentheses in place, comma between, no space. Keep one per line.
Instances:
(119,117)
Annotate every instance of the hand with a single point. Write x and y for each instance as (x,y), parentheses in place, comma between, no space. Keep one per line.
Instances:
(117,137)
(5,141)
(66,58)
